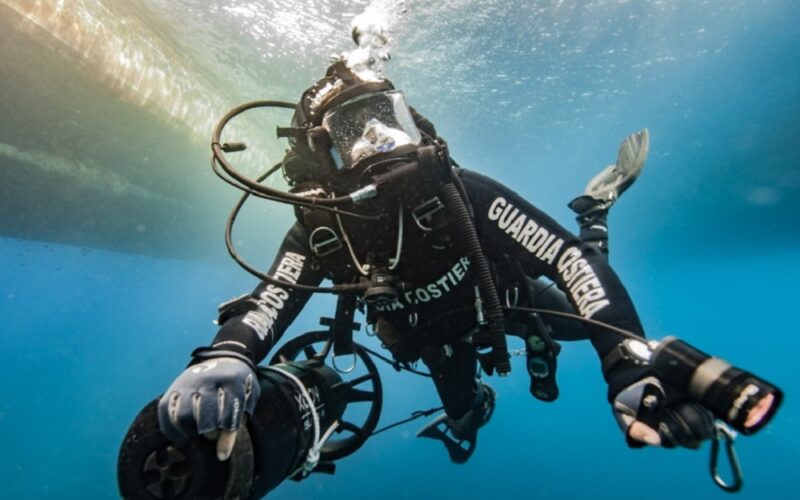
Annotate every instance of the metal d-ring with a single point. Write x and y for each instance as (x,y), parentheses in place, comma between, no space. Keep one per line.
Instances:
(350,369)
(512,302)
(326,244)
(721,431)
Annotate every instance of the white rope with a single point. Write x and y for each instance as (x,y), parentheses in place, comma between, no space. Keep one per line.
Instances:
(312,457)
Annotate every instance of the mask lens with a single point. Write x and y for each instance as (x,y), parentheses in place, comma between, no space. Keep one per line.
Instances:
(369,125)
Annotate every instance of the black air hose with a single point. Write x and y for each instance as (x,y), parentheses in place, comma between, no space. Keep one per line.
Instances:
(478,261)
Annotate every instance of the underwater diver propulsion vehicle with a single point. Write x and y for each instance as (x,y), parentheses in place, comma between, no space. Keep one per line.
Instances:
(301,415)
(303,403)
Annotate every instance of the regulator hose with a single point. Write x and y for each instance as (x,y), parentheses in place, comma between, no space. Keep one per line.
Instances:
(486,287)
(219,156)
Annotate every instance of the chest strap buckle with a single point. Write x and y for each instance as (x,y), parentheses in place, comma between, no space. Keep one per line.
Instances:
(423,213)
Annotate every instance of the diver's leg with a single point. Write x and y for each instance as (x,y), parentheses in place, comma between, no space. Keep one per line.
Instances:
(606,187)
(592,220)
(468,403)
(548,296)
(453,368)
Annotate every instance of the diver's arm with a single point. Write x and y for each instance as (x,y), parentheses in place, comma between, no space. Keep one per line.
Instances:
(508,224)
(253,324)
(220,386)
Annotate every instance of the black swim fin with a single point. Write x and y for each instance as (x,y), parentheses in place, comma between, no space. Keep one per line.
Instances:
(460,436)
(459,448)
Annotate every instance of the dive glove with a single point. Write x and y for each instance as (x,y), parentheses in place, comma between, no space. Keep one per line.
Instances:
(648,415)
(210,398)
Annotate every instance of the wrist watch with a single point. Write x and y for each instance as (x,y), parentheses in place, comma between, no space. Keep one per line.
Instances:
(630,351)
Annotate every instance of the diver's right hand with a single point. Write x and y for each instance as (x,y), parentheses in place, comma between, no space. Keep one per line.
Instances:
(649,415)
(209,398)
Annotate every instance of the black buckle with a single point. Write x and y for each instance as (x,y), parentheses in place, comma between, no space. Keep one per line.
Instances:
(324,241)
(425,211)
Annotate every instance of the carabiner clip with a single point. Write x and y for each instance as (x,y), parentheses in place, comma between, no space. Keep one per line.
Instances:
(722,431)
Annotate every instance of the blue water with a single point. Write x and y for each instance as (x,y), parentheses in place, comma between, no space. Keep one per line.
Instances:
(706,243)
(92,335)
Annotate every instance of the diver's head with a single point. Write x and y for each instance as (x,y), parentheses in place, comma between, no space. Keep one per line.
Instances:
(344,125)
(370,126)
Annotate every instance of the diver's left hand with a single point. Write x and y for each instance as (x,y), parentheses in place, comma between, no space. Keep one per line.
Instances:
(649,416)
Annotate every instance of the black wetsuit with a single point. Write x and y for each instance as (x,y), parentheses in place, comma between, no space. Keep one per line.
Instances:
(436,308)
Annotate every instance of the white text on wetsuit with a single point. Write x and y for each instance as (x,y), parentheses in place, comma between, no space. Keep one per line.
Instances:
(431,291)
(578,276)
(582,283)
(272,299)
(533,237)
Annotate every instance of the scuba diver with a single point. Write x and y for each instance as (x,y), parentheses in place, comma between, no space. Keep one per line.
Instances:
(445,262)
(415,252)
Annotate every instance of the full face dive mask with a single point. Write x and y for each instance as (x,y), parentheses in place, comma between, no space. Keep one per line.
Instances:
(342,124)
(369,125)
